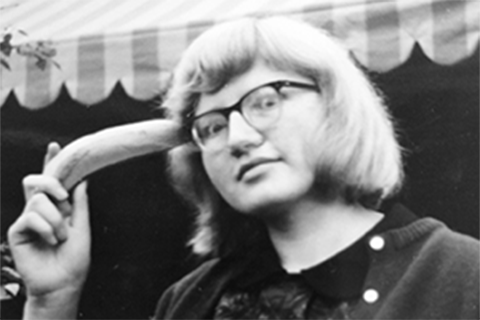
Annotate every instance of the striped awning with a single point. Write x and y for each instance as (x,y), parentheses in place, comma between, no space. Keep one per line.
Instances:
(90,45)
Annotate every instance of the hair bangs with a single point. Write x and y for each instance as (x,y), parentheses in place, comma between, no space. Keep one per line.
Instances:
(218,56)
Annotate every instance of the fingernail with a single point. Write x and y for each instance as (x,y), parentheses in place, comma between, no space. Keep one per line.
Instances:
(65,208)
(62,234)
(52,240)
(63,195)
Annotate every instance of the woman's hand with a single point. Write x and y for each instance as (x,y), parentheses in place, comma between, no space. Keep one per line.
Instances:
(50,244)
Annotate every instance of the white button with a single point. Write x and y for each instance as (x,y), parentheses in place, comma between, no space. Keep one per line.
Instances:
(377,243)
(370,295)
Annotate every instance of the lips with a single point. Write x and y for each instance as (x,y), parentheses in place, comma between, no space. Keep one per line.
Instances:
(252,164)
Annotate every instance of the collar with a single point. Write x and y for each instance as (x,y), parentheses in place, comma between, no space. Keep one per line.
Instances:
(341,277)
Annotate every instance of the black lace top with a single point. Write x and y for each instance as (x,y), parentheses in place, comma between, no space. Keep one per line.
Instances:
(264,290)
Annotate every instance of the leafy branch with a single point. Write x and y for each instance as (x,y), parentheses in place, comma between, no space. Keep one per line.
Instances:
(42,51)
(11,284)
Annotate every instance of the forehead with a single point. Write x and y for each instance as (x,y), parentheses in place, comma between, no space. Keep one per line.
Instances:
(237,87)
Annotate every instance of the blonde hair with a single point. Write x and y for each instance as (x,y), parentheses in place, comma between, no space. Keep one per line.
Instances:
(358,154)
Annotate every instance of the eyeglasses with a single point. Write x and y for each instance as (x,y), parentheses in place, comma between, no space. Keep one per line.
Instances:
(260,107)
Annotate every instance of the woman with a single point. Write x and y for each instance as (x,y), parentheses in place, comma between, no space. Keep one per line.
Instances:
(291,156)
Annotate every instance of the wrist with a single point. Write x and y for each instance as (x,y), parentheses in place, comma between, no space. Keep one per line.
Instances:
(55,305)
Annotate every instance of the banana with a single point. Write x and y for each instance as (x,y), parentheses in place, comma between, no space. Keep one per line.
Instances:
(95,151)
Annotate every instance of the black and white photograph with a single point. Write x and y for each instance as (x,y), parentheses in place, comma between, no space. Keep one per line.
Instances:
(249,159)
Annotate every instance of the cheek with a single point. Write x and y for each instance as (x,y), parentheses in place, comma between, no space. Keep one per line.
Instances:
(219,173)
(300,140)
(216,170)
(313,145)
(313,136)
(209,165)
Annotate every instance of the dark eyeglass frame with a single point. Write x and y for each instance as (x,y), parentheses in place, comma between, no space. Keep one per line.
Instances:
(277,85)
(225,112)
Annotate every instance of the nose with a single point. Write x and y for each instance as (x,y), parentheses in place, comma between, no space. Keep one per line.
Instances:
(241,135)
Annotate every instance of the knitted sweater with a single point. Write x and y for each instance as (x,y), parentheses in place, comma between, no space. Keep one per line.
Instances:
(421,271)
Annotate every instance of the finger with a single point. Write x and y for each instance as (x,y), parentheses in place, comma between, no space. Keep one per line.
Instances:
(30,227)
(53,149)
(80,215)
(64,207)
(37,183)
(45,208)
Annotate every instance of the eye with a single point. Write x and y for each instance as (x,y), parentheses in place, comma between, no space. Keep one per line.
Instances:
(211,125)
(263,100)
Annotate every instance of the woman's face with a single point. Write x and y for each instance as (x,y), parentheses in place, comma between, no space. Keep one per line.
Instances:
(271,168)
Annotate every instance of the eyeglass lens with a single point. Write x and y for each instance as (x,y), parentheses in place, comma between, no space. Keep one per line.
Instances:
(260,108)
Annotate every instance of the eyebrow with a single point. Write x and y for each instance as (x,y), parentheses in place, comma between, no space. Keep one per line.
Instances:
(293,83)
(219,108)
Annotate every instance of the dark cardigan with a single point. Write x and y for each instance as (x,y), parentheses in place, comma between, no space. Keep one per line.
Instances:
(424,271)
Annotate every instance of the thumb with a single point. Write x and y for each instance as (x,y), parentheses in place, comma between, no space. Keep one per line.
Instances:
(53,149)
(80,212)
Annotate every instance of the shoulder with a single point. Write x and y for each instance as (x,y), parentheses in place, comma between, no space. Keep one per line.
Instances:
(456,253)
(433,267)
(195,276)
(184,286)
(436,239)
(432,242)
(193,296)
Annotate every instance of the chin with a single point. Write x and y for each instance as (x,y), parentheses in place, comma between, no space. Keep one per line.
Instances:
(271,191)
(265,202)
